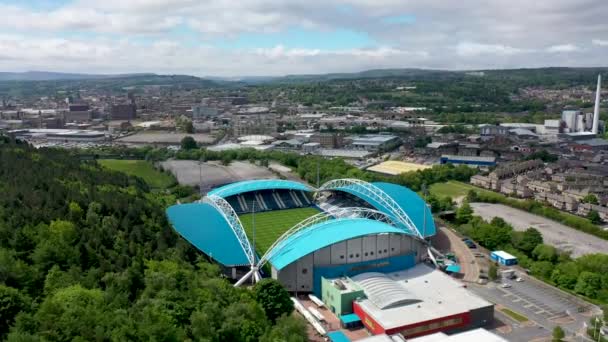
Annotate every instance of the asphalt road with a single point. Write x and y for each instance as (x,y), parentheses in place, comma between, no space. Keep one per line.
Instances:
(554,233)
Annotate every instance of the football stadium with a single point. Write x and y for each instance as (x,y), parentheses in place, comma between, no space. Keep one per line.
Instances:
(361,247)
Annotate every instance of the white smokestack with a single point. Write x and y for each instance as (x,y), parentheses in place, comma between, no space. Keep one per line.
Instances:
(596,111)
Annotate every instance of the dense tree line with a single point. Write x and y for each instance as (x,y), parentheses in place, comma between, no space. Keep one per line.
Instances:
(306,166)
(586,275)
(86,254)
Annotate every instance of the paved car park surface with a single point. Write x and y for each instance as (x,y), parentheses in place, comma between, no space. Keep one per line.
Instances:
(540,303)
(554,233)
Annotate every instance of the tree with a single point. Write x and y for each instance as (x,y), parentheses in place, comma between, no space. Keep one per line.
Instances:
(588,284)
(73,312)
(188,143)
(189,127)
(11,303)
(544,252)
(472,196)
(464,213)
(531,238)
(590,198)
(493,272)
(542,269)
(594,217)
(558,334)
(274,299)
(287,329)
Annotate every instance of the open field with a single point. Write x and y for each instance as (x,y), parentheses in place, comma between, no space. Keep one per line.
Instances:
(454,189)
(395,167)
(213,174)
(142,169)
(163,138)
(270,225)
(554,233)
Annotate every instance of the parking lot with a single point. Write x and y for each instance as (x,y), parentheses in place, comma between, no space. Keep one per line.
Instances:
(540,303)
(554,233)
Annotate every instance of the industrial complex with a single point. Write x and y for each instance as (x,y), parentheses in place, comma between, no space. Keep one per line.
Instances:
(362,249)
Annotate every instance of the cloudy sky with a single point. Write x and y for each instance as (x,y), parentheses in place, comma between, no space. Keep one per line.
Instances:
(274,37)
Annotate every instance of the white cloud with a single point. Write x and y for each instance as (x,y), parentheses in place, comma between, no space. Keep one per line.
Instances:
(473,34)
(469,49)
(599,42)
(563,48)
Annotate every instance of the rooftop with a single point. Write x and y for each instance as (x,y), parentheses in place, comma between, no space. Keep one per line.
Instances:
(256,185)
(469,158)
(344,153)
(383,291)
(439,296)
(503,254)
(595,142)
(324,234)
(467,336)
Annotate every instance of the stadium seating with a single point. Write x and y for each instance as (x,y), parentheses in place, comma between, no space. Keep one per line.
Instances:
(303,198)
(271,203)
(286,198)
(234,203)
(277,198)
(250,199)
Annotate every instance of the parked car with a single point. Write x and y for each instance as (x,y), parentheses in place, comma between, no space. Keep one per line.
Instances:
(519,280)
(505,285)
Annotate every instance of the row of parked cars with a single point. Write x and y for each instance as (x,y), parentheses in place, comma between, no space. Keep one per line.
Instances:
(469,242)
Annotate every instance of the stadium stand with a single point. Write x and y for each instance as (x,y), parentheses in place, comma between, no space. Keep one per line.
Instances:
(295,199)
(235,204)
(289,203)
(278,199)
(269,200)
(243,203)
(303,197)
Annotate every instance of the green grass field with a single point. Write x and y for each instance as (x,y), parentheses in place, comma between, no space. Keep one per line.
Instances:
(453,189)
(270,225)
(140,168)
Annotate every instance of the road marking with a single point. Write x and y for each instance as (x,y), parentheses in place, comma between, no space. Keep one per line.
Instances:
(539,312)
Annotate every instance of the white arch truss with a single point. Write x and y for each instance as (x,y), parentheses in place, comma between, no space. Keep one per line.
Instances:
(336,214)
(222,206)
(369,190)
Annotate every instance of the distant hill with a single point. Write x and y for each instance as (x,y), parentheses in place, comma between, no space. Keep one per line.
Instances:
(56,76)
(555,74)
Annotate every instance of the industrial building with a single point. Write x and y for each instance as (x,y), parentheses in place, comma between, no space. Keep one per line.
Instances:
(503,258)
(59,135)
(468,160)
(124,111)
(375,142)
(254,121)
(364,252)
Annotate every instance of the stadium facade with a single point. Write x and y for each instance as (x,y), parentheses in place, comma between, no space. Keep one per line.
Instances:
(361,230)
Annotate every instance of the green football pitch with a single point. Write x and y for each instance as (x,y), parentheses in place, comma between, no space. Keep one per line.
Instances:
(270,225)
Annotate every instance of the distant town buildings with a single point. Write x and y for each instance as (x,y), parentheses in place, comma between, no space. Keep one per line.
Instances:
(124,111)
(254,121)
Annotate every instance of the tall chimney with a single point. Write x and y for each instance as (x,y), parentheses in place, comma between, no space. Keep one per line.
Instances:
(596,111)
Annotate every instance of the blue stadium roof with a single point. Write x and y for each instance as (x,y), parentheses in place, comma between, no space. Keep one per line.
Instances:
(256,185)
(324,234)
(413,205)
(204,227)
